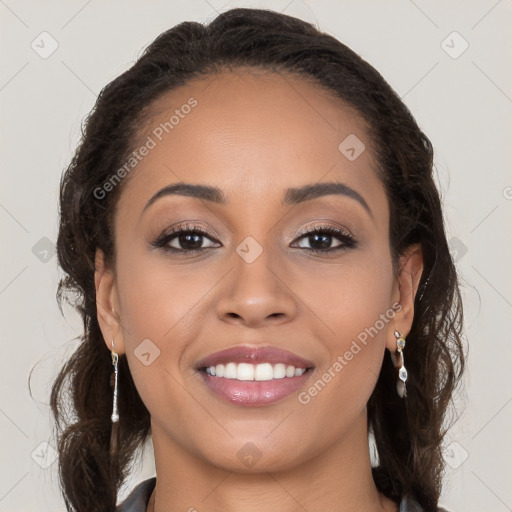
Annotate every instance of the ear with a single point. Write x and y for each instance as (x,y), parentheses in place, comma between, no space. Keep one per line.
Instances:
(404,292)
(107,304)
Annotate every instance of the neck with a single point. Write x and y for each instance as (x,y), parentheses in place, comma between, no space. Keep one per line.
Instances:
(338,479)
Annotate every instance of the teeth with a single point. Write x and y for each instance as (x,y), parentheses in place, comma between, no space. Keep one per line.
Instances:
(262,371)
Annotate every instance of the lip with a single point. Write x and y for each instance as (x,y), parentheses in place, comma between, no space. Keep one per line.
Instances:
(254,355)
(255,393)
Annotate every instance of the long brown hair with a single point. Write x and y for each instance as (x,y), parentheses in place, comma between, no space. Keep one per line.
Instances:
(408,432)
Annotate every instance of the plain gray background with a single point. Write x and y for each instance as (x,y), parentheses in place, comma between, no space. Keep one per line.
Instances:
(449,61)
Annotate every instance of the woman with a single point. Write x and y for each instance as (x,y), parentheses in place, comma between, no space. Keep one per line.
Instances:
(251,232)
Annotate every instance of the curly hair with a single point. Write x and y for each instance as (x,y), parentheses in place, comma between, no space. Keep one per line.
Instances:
(408,433)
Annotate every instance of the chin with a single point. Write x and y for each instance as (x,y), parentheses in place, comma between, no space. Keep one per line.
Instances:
(252,456)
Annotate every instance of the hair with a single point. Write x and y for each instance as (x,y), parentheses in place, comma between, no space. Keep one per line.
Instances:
(408,432)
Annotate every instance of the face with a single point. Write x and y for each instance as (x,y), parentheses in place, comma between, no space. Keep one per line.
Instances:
(249,274)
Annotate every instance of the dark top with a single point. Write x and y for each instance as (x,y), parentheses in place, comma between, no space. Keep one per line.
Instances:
(138,500)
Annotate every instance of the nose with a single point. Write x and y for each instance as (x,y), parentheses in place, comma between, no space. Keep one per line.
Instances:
(257,293)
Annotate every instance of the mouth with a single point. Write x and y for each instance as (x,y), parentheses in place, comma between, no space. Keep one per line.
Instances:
(254,376)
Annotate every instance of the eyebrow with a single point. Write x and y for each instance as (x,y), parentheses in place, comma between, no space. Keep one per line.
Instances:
(307,192)
(292,195)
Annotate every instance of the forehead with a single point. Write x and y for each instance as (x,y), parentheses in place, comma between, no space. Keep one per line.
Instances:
(252,134)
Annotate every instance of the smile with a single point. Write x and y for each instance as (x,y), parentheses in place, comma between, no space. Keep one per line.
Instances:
(254,385)
(259,372)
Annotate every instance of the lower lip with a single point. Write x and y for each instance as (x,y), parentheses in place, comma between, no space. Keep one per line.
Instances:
(253,392)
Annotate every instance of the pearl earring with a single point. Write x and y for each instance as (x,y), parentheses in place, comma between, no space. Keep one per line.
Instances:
(115,412)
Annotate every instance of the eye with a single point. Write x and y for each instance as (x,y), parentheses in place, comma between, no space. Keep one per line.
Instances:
(190,239)
(321,237)
(182,239)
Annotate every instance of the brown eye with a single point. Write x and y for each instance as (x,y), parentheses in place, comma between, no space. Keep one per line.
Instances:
(321,238)
(183,239)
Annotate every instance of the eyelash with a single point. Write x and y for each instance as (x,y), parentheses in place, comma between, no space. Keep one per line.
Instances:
(348,241)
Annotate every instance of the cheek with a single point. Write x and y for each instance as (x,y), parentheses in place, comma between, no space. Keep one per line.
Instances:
(157,303)
(353,314)
(157,298)
(163,306)
(350,296)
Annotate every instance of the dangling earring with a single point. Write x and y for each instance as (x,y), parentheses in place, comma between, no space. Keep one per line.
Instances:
(402,372)
(115,413)
(372,445)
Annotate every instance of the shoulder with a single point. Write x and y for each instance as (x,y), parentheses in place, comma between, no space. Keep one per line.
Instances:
(137,500)
(409,504)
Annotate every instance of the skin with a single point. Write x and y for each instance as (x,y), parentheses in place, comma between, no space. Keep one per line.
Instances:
(253,135)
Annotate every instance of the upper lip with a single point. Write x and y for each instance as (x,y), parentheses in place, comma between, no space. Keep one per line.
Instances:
(254,355)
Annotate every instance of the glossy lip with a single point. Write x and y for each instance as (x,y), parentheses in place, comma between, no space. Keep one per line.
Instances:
(254,355)
(255,393)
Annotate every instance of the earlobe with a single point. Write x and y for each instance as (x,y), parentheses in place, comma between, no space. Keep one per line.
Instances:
(107,305)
